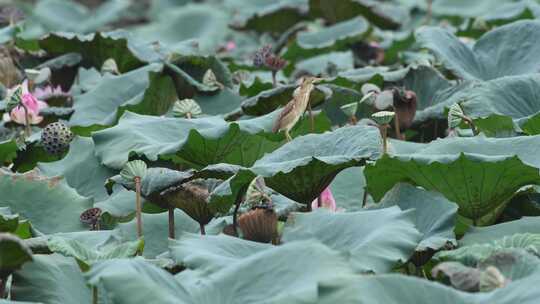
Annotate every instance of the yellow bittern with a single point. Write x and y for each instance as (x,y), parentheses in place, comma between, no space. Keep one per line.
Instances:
(294,109)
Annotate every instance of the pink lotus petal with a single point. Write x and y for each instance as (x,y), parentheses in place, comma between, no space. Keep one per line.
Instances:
(230,46)
(328,201)
(18,115)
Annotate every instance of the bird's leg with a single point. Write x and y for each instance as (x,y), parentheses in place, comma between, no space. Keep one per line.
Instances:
(287,135)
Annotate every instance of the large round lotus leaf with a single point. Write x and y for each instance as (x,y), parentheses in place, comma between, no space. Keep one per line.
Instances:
(397,289)
(80,158)
(479,174)
(51,279)
(199,142)
(374,241)
(13,254)
(494,55)
(481,235)
(290,273)
(304,167)
(435,216)
(48,202)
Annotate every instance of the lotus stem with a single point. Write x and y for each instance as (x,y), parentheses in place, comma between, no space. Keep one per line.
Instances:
(364,199)
(471,124)
(429,12)
(94,295)
(274,80)
(188,115)
(203,230)
(311,118)
(353,121)
(27,129)
(139,207)
(3,282)
(397,128)
(237,203)
(383,129)
(171,223)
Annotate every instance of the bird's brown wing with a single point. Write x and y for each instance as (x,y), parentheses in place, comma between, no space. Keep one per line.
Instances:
(279,123)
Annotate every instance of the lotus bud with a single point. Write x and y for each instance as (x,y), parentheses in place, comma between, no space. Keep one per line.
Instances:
(405,107)
(186,108)
(384,100)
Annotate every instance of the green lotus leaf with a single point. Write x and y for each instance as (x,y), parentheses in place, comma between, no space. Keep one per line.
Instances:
(397,289)
(336,37)
(266,15)
(435,216)
(80,158)
(87,256)
(210,253)
(40,199)
(13,255)
(155,230)
(472,254)
(481,235)
(144,90)
(70,16)
(269,100)
(304,167)
(316,262)
(97,47)
(50,279)
(492,56)
(368,252)
(199,142)
(384,15)
(480,182)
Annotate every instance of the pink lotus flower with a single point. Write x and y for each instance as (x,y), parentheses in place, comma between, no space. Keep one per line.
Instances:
(328,201)
(32,104)
(48,92)
(230,46)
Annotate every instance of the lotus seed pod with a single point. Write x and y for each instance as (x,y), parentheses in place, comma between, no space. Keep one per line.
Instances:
(186,108)
(350,109)
(131,170)
(455,116)
(110,66)
(56,138)
(91,217)
(259,225)
(192,198)
(38,76)
(210,79)
(383,117)
(384,100)
(368,88)
(369,98)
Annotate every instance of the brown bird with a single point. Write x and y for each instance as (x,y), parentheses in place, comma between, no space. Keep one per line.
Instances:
(294,109)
